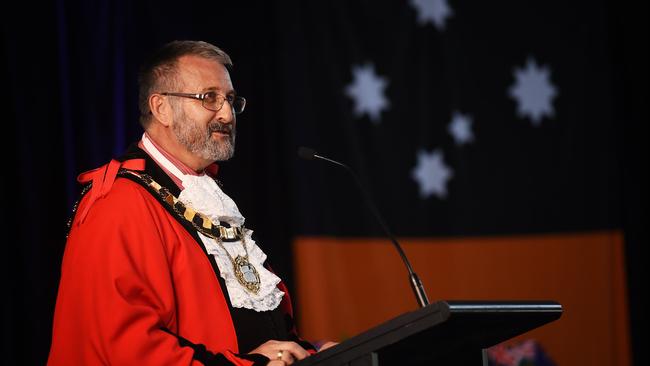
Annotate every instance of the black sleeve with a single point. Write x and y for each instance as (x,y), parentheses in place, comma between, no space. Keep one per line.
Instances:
(293,335)
(201,353)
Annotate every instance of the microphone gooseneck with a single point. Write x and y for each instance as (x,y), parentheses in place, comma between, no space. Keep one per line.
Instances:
(416,284)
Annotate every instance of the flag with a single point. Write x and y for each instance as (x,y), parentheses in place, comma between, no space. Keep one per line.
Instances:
(484,134)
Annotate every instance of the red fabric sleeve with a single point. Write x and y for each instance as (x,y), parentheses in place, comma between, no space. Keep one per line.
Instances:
(116,290)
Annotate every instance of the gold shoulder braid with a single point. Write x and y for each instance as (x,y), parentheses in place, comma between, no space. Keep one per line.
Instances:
(245,272)
(84,190)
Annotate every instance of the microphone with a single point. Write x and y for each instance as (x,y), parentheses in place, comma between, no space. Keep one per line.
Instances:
(310,154)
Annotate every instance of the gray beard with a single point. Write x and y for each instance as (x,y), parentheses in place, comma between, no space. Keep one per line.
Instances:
(199,141)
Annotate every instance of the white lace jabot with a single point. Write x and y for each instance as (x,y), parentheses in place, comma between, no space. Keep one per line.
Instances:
(202,194)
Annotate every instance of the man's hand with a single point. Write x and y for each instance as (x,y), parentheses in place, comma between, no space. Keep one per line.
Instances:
(327,345)
(287,352)
(276,363)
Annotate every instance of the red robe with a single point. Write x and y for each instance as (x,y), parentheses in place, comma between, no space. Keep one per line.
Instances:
(129,270)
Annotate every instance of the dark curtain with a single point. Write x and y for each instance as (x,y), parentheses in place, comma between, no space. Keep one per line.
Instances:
(70,102)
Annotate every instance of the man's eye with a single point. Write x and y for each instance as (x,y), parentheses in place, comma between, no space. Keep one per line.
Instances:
(210,96)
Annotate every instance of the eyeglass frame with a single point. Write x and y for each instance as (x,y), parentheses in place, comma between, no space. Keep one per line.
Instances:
(203,96)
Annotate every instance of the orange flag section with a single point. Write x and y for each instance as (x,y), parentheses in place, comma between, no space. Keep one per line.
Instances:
(348,285)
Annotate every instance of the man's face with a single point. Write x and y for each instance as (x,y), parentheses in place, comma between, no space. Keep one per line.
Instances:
(207,134)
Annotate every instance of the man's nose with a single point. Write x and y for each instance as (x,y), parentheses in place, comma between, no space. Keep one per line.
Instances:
(226,114)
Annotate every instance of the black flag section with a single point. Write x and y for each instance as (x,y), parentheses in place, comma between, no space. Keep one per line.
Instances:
(442,333)
(416,284)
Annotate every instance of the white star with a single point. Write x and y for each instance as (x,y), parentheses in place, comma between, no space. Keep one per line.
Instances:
(431,173)
(460,128)
(367,91)
(432,11)
(533,92)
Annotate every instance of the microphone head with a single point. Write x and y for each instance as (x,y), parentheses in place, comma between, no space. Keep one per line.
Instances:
(306,153)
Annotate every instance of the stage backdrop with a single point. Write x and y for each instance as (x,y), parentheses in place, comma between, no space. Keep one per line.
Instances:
(504,143)
(486,134)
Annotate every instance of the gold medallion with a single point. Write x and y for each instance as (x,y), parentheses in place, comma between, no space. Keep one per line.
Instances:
(246,274)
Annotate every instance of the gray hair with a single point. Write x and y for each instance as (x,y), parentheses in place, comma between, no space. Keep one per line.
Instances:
(160,72)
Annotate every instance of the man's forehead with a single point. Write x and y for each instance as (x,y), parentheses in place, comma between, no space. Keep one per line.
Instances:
(205,73)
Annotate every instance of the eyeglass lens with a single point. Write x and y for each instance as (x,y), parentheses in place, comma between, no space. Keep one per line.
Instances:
(215,102)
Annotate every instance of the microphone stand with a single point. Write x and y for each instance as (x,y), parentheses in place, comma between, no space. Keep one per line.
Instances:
(416,284)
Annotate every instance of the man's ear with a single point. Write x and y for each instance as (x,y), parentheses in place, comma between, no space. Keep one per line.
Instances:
(161,109)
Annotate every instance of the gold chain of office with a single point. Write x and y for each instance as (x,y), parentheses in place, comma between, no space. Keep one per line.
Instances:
(244,271)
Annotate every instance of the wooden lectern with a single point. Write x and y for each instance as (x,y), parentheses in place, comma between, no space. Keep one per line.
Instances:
(441,333)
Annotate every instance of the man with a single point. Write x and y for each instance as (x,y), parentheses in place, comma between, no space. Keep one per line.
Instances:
(158,267)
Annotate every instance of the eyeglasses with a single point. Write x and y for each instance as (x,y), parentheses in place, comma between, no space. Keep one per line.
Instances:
(213,101)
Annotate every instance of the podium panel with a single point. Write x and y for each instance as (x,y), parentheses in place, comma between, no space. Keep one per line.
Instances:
(444,332)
